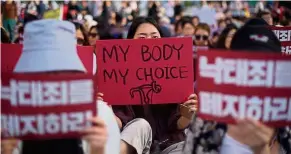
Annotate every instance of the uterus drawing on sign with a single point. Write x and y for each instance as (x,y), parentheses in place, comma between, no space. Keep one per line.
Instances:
(146,92)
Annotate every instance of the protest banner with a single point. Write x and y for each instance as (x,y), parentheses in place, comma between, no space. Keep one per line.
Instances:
(284,35)
(145,71)
(10,53)
(195,50)
(86,54)
(244,84)
(286,48)
(198,48)
(46,106)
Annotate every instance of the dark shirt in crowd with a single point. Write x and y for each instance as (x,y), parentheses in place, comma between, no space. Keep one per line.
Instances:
(73,10)
(9,11)
(40,9)
(56,146)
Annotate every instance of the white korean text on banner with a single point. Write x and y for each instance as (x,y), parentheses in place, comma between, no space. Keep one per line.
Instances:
(46,106)
(244,84)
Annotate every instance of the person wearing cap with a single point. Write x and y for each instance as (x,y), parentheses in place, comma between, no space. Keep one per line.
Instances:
(247,136)
(50,47)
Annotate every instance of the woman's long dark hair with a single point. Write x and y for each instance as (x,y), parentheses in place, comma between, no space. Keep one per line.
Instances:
(103,33)
(141,20)
(221,40)
(4,36)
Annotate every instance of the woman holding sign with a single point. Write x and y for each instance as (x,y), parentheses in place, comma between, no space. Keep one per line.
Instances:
(153,128)
(46,56)
(247,136)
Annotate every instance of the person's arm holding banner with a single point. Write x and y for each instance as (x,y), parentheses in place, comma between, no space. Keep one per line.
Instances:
(77,116)
(187,109)
(259,137)
(96,136)
(104,134)
(264,127)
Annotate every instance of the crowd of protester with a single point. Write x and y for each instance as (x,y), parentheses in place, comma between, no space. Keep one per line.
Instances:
(112,19)
(160,129)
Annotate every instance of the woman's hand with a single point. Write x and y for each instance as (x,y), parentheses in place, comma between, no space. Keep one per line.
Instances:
(252,133)
(8,146)
(191,105)
(187,109)
(96,135)
(100,96)
(192,102)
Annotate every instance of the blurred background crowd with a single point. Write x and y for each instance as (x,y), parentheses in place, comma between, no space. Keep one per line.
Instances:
(204,20)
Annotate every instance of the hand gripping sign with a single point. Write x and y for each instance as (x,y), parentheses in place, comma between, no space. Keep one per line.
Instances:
(151,71)
(244,84)
(46,106)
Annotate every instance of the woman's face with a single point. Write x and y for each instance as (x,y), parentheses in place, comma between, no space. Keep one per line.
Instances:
(80,37)
(93,36)
(188,30)
(146,31)
(229,38)
(201,37)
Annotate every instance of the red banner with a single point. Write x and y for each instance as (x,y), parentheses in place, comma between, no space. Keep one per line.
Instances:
(46,106)
(10,53)
(286,48)
(197,49)
(244,84)
(145,71)
(284,35)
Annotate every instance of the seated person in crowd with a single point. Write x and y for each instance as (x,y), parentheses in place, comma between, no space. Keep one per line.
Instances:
(248,136)
(57,58)
(152,128)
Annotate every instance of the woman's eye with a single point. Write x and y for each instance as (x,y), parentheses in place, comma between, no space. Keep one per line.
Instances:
(141,37)
(155,37)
